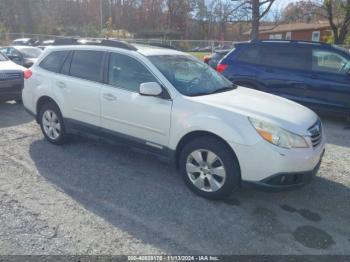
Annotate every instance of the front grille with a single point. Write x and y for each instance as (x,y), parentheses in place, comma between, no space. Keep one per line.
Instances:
(315,132)
(10,76)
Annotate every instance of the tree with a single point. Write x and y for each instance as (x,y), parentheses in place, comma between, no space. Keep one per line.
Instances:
(258,9)
(302,11)
(338,15)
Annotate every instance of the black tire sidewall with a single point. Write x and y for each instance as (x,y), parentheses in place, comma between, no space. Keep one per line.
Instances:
(233,177)
(51,106)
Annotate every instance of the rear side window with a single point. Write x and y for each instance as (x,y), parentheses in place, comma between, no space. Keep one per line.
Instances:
(290,57)
(53,62)
(249,55)
(87,65)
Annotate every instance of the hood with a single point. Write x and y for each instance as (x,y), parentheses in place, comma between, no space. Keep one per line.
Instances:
(263,106)
(9,65)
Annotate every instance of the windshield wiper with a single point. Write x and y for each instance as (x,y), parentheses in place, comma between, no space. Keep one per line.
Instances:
(223,89)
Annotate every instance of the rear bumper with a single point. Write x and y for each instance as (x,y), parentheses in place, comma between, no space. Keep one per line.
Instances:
(11,90)
(285,181)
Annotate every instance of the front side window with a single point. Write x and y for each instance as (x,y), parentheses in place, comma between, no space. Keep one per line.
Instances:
(54,61)
(87,65)
(127,73)
(190,76)
(330,62)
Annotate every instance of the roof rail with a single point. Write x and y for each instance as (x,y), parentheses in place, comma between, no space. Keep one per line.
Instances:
(289,41)
(97,42)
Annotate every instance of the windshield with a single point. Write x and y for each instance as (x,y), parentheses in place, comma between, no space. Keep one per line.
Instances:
(190,76)
(30,52)
(2,57)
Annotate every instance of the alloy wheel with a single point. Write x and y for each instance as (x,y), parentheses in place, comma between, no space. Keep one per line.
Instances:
(51,124)
(205,170)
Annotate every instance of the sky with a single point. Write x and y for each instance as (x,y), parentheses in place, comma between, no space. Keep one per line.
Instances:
(283,3)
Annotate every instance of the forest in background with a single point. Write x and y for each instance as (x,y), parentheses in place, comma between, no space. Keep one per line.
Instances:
(171,19)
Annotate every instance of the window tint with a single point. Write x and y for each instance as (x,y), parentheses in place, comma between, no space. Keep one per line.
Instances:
(54,61)
(127,73)
(249,55)
(87,65)
(330,62)
(66,65)
(286,56)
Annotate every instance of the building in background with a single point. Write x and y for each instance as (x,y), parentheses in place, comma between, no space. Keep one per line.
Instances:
(318,32)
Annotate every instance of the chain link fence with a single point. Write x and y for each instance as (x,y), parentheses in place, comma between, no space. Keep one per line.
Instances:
(184,45)
(205,46)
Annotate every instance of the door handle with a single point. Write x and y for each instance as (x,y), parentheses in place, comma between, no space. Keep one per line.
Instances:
(109,97)
(61,85)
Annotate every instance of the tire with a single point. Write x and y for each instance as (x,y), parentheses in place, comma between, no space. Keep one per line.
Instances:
(210,179)
(52,124)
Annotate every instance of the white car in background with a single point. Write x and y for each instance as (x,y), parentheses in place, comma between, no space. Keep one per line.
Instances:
(11,79)
(219,135)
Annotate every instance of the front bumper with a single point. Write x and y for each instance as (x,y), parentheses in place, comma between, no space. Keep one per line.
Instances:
(285,181)
(274,168)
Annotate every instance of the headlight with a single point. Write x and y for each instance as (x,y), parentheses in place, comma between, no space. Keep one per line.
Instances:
(278,136)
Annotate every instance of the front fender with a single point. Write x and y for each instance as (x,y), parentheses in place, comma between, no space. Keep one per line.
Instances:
(234,129)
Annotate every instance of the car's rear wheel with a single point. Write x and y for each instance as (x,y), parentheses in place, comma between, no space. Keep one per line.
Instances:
(209,168)
(51,123)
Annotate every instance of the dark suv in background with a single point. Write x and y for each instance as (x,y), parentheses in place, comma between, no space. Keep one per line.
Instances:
(314,74)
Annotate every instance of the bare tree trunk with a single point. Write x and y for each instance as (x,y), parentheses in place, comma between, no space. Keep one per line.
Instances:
(255,19)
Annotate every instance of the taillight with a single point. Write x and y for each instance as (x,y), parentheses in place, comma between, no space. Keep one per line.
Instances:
(221,68)
(27,74)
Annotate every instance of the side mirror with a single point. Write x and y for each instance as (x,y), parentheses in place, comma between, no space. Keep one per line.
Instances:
(150,89)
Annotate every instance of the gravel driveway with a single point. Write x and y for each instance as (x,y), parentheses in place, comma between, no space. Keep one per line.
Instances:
(91,197)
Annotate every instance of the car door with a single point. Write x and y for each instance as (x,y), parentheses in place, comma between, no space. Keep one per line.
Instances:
(79,86)
(144,119)
(331,79)
(286,70)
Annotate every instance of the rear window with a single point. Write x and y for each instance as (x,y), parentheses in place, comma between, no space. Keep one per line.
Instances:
(87,65)
(30,52)
(53,62)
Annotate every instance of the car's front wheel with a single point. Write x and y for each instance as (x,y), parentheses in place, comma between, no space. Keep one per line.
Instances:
(209,168)
(51,123)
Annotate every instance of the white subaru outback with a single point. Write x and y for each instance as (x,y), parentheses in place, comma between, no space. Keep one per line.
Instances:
(220,136)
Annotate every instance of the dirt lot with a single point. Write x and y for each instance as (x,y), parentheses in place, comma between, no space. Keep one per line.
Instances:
(91,197)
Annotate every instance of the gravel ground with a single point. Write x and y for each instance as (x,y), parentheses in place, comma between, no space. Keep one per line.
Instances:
(91,197)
